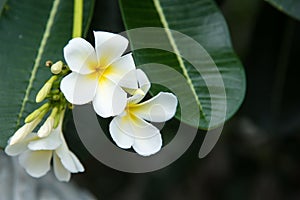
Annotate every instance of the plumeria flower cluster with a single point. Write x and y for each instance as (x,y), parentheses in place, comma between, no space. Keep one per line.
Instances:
(110,81)
(37,149)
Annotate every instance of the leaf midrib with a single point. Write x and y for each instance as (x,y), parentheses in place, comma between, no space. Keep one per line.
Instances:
(165,24)
(37,61)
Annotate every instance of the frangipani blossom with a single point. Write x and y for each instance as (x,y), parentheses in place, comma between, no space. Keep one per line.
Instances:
(35,155)
(129,129)
(98,73)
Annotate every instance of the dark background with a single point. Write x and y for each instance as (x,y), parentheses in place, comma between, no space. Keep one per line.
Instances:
(257,156)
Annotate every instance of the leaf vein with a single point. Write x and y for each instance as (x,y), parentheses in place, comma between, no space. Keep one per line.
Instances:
(38,58)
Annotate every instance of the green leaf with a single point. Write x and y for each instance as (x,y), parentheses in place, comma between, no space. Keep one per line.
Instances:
(202,21)
(32,32)
(290,7)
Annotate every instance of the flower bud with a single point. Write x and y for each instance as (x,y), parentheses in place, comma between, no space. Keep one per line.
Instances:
(37,113)
(57,67)
(44,91)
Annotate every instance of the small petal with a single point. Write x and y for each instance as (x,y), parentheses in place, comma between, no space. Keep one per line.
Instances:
(110,99)
(36,163)
(80,56)
(147,147)
(46,128)
(160,108)
(144,86)
(76,161)
(16,149)
(78,89)
(122,139)
(122,72)
(144,83)
(50,142)
(66,157)
(61,173)
(109,47)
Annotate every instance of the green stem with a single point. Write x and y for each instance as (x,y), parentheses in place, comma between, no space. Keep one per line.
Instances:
(77,18)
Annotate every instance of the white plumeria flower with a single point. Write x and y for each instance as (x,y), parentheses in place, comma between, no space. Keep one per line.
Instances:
(35,155)
(98,73)
(129,129)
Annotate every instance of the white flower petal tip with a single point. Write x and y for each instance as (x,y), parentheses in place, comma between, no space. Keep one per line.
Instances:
(80,56)
(61,173)
(147,147)
(109,47)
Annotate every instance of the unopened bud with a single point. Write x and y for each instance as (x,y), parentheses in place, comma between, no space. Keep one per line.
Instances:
(48,63)
(44,91)
(56,97)
(35,114)
(57,67)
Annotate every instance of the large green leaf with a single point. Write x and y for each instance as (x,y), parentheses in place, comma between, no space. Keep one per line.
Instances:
(202,21)
(290,7)
(31,32)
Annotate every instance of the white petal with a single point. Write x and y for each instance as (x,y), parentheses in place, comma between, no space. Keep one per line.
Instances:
(46,128)
(144,86)
(22,132)
(135,127)
(77,163)
(147,147)
(61,173)
(65,156)
(50,142)
(144,83)
(36,163)
(122,72)
(80,56)
(16,149)
(122,139)
(79,89)
(110,99)
(109,47)
(160,108)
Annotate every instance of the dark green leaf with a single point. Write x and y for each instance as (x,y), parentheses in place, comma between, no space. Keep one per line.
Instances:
(30,35)
(202,21)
